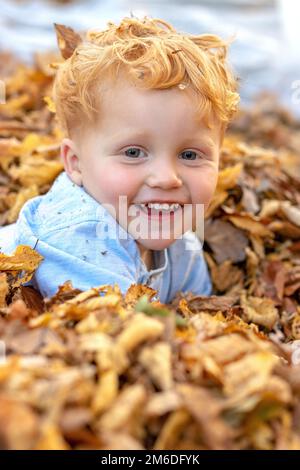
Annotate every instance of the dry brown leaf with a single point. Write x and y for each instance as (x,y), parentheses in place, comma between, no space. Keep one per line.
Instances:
(226,276)
(140,328)
(246,222)
(249,375)
(23,435)
(157,360)
(4,289)
(35,170)
(23,196)
(135,291)
(25,259)
(125,411)
(106,391)
(228,177)
(67,40)
(51,439)
(260,311)
(217,234)
(214,431)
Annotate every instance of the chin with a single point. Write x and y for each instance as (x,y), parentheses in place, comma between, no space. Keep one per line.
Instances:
(150,244)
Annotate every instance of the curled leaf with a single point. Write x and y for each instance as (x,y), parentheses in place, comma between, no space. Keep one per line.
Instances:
(67,40)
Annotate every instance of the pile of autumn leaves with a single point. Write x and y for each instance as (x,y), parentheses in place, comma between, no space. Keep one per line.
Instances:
(100,370)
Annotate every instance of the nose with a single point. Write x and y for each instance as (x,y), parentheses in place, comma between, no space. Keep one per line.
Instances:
(164,174)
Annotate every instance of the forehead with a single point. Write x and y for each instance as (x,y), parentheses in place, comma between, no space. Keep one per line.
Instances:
(125,103)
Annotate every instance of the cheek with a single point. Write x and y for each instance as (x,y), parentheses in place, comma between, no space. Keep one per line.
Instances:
(122,183)
(108,182)
(204,185)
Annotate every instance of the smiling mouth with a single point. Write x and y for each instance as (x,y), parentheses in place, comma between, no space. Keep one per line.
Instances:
(154,211)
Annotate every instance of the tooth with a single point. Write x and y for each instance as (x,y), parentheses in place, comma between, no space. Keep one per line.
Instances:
(164,206)
(142,206)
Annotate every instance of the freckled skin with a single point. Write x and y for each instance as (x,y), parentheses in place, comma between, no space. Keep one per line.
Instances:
(161,129)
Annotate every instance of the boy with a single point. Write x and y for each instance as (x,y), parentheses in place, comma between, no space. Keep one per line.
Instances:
(144,110)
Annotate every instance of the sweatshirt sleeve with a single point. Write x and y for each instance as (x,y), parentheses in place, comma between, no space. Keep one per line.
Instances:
(75,253)
(76,237)
(59,266)
(7,239)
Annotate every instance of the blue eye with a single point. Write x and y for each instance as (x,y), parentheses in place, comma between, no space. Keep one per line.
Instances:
(190,154)
(133,152)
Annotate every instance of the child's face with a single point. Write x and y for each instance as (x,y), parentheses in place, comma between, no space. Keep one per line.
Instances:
(148,146)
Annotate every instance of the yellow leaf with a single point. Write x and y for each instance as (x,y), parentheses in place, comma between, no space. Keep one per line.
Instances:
(24,195)
(50,104)
(36,170)
(228,178)
(23,259)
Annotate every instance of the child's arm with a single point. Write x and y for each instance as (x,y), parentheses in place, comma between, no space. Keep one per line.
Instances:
(76,253)
(59,266)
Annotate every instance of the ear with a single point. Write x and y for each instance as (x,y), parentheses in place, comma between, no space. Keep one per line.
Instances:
(69,154)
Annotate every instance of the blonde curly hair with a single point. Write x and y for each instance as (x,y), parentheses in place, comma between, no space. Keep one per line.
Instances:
(153,55)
